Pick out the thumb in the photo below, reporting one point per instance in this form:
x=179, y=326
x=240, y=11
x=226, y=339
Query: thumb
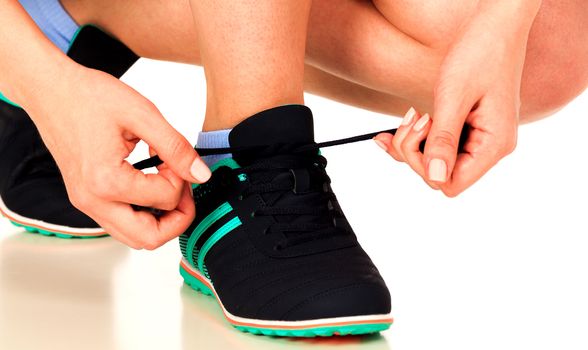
x=442, y=143
x=173, y=148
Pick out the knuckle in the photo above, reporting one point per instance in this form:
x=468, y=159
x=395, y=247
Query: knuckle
x=136, y=245
x=509, y=145
x=176, y=146
x=169, y=205
x=102, y=182
x=451, y=192
x=444, y=139
x=404, y=146
x=80, y=199
x=152, y=244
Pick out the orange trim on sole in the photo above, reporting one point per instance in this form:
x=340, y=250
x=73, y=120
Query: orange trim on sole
x=9, y=217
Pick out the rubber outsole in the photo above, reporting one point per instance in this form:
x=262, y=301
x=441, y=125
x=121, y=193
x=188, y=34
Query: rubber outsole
x=45, y=229
x=361, y=327
x=53, y=234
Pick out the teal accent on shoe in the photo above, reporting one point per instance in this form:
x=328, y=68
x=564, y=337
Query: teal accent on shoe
x=50, y=233
x=195, y=283
x=204, y=225
x=75, y=36
x=220, y=233
x=242, y=177
x=5, y=99
x=360, y=329
x=229, y=162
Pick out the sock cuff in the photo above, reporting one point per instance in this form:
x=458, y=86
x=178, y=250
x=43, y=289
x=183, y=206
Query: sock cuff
x=53, y=20
x=213, y=139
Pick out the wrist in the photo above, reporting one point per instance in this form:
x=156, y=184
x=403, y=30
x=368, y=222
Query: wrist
x=32, y=86
x=518, y=14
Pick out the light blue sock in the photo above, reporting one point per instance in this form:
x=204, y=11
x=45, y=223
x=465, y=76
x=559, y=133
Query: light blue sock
x=214, y=139
x=53, y=20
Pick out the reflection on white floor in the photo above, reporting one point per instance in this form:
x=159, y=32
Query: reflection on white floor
x=98, y=294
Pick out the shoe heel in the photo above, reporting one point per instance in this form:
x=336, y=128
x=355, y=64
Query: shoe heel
x=194, y=283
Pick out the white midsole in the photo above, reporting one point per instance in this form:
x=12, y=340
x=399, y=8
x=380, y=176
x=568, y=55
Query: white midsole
x=47, y=226
x=279, y=324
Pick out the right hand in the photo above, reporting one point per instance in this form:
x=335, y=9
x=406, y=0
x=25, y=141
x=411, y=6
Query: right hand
x=91, y=122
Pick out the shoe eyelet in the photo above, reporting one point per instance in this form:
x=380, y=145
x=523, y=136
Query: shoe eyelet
x=240, y=198
x=252, y=214
x=278, y=247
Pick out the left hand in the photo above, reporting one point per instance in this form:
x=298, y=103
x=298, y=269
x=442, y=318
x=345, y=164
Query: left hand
x=479, y=84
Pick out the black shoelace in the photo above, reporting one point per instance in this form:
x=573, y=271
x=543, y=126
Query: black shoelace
x=293, y=181
x=156, y=161
x=297, y=194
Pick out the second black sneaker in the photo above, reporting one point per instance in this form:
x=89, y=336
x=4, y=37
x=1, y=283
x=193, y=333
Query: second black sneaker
x=271, y=242
x=32, y=191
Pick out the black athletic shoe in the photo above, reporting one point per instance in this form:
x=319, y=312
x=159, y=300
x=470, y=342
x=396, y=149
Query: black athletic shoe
x=32, y=192
x=271, y=242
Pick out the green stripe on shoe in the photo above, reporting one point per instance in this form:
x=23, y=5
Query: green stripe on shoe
x=220, y=233
x=204, y=225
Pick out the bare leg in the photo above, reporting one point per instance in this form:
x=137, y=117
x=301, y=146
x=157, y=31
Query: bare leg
x=383, y=58
x=133, y=22
x=253, y=56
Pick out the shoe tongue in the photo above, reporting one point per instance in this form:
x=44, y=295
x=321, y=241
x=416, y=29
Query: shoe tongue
x=291, y=124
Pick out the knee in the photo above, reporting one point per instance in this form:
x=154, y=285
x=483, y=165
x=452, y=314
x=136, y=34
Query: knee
x=542, y=96
x=555, y=69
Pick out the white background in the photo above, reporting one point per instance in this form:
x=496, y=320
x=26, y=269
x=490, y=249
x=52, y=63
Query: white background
x=503, y=266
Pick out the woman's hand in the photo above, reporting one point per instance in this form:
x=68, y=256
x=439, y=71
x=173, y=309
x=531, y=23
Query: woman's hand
x=91, y=122
x=479, y=84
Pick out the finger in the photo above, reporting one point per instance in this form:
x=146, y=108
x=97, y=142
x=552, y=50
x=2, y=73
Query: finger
x=482, y=152
x=131, y=186
x=452, y=107
x=403, y=130
x=174, y=223
x=172, y=148
x=411, y=147
x=391, y=143
x=117, y=222
x=384, y=141
x=141, y=230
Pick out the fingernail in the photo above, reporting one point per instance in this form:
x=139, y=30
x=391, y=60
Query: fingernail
x=437, y=170
x=421, y=123
x=381, y=144
x=200, y=170
x=408, y=118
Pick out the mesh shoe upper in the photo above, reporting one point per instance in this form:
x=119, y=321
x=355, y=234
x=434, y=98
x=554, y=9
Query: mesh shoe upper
x=270, y=233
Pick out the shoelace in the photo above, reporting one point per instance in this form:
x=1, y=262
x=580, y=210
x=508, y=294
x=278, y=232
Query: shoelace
x=297, y=193
x=156, y=161
x=320, y=220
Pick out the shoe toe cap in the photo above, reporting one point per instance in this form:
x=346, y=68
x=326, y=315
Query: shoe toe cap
x=359, y=299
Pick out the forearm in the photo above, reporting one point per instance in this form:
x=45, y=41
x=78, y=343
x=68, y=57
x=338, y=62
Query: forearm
x=30, y=64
